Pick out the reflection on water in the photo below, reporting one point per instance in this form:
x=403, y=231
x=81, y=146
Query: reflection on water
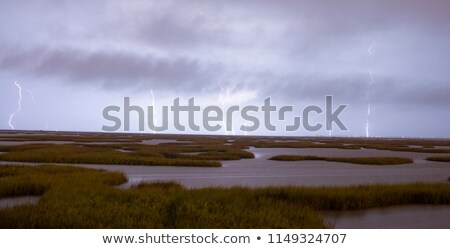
x=17, y=201
x=163, y=141
x=399, y=217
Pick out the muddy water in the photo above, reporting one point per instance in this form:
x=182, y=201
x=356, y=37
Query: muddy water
x=17, y=201
x=410, y=216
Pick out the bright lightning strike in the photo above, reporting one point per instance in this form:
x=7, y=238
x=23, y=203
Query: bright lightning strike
x=154, y=108
x=31, y=95
x=369, y=51
x=19, y=106
x=233, y=96
x=153, y=97
x=10, y=121
x=222, y=103
x=228, y=100
x=367, y=122
x=20, y=96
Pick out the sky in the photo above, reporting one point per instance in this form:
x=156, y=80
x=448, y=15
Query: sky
x=74, y=58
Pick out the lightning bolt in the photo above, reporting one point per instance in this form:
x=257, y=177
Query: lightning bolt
x=224, y=98
x=228, y=101
x=222, y=104
x=233, y=95
x=369, y=51
x=19, y=106
x=154, y=109
x=10, y=121
x=31, y=95
x=367, y=121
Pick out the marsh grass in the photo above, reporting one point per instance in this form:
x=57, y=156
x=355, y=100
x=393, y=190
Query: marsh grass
x=85, y=198
x=211, y=148
x=107, y=154
x=354, y=160
x=424, y=145
x=209, y=151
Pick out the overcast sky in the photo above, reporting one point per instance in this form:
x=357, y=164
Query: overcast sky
x=74, y=58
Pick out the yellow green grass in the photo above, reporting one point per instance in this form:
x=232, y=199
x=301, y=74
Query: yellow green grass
x=87, y=198
x=139, y=154
x=354, y=160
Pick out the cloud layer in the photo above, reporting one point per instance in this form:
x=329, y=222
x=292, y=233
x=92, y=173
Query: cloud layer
x=286, y=49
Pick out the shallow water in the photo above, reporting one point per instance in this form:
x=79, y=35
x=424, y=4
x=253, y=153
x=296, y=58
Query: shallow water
x=124, y=150
x=442, y=147
x=17, y=201
x=260, y=172
x=191, y=153
x=399, y=217
x=162, y=141
x=415, y=146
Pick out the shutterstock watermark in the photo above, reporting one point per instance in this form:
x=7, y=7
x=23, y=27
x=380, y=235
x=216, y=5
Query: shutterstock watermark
x=214, y=118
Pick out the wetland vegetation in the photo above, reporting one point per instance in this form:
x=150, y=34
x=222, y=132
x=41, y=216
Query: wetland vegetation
x=86, y=198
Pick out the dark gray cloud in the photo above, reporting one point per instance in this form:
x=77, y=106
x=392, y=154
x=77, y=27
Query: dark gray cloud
x=355, y=88
x=107, y=67
x=288, y=48
x=178, y=34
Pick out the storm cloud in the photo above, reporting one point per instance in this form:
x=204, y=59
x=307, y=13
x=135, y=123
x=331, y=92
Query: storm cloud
x=106, y=67
x=286, y=49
